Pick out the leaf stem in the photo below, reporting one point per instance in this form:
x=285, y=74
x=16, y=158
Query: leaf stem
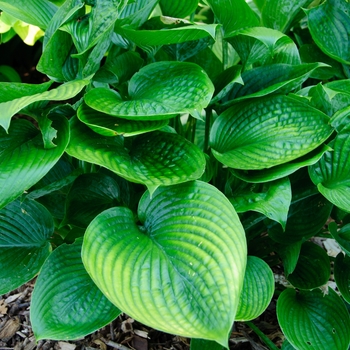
x=262, y=336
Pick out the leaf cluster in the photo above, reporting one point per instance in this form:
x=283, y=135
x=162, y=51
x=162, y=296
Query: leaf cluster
x=180, y=164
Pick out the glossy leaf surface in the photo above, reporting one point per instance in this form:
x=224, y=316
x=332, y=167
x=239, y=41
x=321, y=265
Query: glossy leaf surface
x=178, y=9
x=108, y=125
x=311, y=320
x=342, y=275
x=157, y=92
x=329, y=25
x=63, y=92
x=273, y=199
x=312, y=269
x=305, y=219
x=24, y=246
x=342, y=236
x=266, y=132
x=258, y=289
x=64, y=296
x=182, y=270
x=23, y=158
x=155, y=159
x=331, y=173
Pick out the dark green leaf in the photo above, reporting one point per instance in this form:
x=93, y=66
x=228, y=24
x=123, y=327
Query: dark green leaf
x=342, y=236
x=24, y=242
x=331, y=173
x=201, y=344
x=108, y=125
x=342, y=275
x=312, y=320
x=182, y=270
x=23, y=158
x=179, y=9
x=313, y=267
x=329, y=25
x=65, y=296
x=305, y=219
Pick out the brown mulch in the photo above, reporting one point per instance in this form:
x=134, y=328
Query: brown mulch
x=122, y=334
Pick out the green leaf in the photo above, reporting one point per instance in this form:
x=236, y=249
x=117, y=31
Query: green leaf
x=264, y=46
x=331, y=173
x=179, y=9
x=258, y=289
x=24, y=242
x=312, y=320
x=342, y=236
x=64, y=296
x=282, y=170
x=154, y=159
x=341, y=119
x=167, y=36
x=271, y=199
x=202, y=344
x=108, y=125
x=329, y=25
x=89, y=195
x=305, y=219
x=233, y=14
x=182, y=270
x=266, y=132
x=313, y=267
x=9, y=74
x=23, y=158
x=275, y=78
x=63, y=92
x=36, y=12
x=279, y=14
x=342, y=275
x=289, y=255
x=156, y=92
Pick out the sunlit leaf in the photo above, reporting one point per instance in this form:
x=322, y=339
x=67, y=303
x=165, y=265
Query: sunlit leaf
x=182, y=270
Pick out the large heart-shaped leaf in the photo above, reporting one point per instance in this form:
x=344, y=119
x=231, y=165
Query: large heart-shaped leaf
x=23, y=159
x=258, y=288
x=329, y=25
x=182, y=270
x=63, y=92
x=24, y=242
x=312, y=269
x=154, y=159
x=65, y=295
x=331, y=173
x=156, y=92
x=312, y=320
x=271, y=199
x=108, y=125
x=267, y=131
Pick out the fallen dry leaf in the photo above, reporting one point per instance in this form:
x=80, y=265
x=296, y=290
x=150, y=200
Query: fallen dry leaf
x=66, y=346
x=3, y=307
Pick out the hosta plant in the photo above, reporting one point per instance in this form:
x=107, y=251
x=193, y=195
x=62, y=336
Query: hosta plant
x=176, y=155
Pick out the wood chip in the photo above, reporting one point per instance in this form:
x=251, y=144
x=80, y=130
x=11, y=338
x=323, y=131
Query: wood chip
x=66, y=346
x=10, y=328
x=3, y=307
x=100, y=343
x=141, y=334
x=30, y=346
x=12, y=298
x=116, y=345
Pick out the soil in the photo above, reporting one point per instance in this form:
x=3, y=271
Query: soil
x=122, y=334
